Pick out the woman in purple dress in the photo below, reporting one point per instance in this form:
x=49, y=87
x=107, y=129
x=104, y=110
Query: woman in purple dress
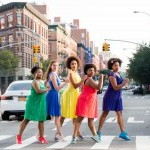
x=112, y=100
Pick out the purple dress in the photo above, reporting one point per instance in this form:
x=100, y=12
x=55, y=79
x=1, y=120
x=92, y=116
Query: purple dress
x=112, y=100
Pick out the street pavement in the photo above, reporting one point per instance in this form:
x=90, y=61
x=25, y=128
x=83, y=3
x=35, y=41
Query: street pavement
x=136, y=118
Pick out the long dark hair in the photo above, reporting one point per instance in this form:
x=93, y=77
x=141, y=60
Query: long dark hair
x=49, y=69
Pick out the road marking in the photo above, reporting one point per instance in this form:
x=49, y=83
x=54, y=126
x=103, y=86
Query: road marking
x=8, y=121
x=111, y=120
x=65, y=122
x=86, y=120
x=3, y=137
x=142, y=142
x=104, y=144
x=131, y=120
x=132, y=108
x=24, y=143
x=136, y=108
x=61, y=144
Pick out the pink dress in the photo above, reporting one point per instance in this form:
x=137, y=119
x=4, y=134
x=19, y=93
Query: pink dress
x=87, y=103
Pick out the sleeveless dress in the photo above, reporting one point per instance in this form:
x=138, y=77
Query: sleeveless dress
x=69, y=98
x=87, y=103
x=36, y=105
x=53, y=98
x=112, y=100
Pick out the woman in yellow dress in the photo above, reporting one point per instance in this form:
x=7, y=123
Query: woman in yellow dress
x=70, y=95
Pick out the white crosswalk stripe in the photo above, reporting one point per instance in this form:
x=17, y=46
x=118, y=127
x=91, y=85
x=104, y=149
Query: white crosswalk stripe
x=4, y=137
x=141, y=143
x=104, y=144
x=61, y=144
x=24, y=143
x=65, y=122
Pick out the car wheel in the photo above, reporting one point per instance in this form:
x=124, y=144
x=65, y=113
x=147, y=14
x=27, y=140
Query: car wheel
x=5, y=116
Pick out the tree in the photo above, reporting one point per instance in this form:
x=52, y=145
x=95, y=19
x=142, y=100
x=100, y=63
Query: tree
x=139, y=66
x=8, y=61
x=45, y=64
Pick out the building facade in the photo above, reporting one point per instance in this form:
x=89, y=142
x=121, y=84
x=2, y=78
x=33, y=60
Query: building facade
x=61, y=45
x=21, y=23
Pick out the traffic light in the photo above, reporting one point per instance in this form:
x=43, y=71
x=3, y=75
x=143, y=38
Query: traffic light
x=36, y=49
x=106, y=47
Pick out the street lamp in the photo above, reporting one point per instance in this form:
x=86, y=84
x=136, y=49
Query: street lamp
x=142, y=12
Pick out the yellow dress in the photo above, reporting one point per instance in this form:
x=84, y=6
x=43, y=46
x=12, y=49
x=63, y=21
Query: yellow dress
x=69, y=98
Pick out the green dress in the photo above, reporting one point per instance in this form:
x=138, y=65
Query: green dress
x=36, y=105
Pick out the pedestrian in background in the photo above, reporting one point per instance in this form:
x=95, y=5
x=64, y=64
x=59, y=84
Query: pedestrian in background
x=53, y=98
x=112, y=100
x=87, y=102
x=70, y=95
x=35, y=106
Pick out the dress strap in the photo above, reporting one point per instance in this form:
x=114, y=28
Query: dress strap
x=85, y=80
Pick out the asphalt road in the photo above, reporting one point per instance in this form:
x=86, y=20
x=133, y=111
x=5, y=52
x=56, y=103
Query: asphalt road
x=136, y=118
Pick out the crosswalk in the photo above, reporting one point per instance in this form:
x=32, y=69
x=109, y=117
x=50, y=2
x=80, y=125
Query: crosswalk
x=140, y=143
x=130, y=120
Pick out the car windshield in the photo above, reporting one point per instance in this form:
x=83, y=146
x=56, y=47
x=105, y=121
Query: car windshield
x=19, y=86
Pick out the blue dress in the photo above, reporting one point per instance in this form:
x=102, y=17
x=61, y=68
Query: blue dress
x=112, y=100
x=53, y=98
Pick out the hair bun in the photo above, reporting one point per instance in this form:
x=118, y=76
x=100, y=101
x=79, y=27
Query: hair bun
x=34, y=69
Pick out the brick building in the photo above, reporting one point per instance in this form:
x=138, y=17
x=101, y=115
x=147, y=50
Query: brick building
x=61, y=45
x=21, y=23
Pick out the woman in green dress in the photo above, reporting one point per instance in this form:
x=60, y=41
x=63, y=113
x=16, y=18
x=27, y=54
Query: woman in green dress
x=35, y=106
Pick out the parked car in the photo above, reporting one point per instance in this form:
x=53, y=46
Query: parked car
x=14, y=99
x=105, y=87
x=138, y=90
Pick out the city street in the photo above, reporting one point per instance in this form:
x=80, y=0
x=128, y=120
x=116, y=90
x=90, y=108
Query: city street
x=136, y=117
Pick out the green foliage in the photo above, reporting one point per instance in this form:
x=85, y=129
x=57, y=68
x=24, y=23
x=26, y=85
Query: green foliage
x=45, y=64
x=139, y=66
x=30, y=77
x=8, y=61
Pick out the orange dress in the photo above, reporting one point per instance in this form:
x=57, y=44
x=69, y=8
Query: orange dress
x=87, y=103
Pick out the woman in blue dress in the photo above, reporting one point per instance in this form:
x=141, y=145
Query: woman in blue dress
x=52, y=97
x=112, y=100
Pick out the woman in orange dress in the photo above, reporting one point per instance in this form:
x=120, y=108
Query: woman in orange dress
x=87, y=102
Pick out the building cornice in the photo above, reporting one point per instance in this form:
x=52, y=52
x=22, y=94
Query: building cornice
x=21, y=5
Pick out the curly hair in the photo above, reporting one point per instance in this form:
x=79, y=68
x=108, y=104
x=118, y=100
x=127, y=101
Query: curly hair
x=112, y=61
x=88, y=66
x=35, y=69
x=70, y=59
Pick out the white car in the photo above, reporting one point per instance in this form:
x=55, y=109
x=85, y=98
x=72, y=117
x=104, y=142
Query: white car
x=14, y=99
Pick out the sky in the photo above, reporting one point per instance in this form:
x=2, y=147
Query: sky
x=106, y=19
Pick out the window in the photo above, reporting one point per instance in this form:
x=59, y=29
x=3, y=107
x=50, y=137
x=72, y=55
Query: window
x=2, y=22
x=10, y=39
x=19, y=18
x=10, y=18
x=82, y=35
x=20, y=77
x=19, y=86
x=2, y=41
x=34, y=26
x=11, y=79
x=26, y=21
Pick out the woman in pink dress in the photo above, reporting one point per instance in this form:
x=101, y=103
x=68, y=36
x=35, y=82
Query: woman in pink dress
x=87, y=102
